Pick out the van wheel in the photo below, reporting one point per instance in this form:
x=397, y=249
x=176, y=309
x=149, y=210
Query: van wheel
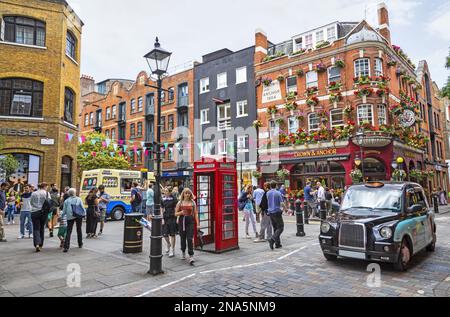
x=404, y=257
x=432, y=246
x=117, y=213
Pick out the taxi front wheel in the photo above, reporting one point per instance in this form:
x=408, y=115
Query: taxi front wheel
x=330, y=257
x=404, y=257
x=432, y=246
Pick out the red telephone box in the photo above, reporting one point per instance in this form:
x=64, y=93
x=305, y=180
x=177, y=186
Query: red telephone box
x=215, y=189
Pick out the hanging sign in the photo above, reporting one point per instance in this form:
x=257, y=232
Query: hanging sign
x=408, y=118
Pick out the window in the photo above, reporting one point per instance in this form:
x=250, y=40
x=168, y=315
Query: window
x=71, y=44
x=132, y=130
x=183, y=119
x=24, y=31
x=222, y=80
x=139, y=156
x=311, y=79
x=113, y=134
x=204, y=116
x=308, y=41
x=170, y=123
x=365, y=114
x=108, y=113
x=319, y=37
x=114, y=112
x=337, y=118
x=171, y=94
x=91, y=118
x=242, y=144
x=139, y=129
x=291, y=84
x=163, y=97
x=206, y=148
x=86, y=120
x=68, y=105
x=241, y=75
x=140, y=104
x=334, y=74
x=204, y=85
x=242, y=108
x=133, y=105
x=107, y=134
x=313, y=122
x=331, y=34
x=224, y=117
x=298, y=44
x=382, y=117
x=362, y=67
x=21, y=97
x=98, y=121
x=378, y=67
x=292, y=124
x=163, y=123
x=222, y=148
x=273, y=128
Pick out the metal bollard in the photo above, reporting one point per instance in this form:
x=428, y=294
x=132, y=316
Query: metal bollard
x=323, y=210
x=436, y=204
x=300, y=220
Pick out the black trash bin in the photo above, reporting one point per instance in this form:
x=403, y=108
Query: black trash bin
x=133, y=234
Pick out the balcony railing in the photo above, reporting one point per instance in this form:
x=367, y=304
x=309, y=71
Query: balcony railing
x=150, y=110
x=286, y=48
x=224, y=125
x=183, y=101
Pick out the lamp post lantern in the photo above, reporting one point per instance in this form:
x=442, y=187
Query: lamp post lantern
x=158, y=60
x=360, y=140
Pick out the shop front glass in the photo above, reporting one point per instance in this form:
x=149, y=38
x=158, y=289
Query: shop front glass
x=331, y=174
x=28, y=171
x=374, y=170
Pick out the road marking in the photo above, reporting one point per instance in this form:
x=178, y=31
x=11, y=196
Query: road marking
x=166, y=285
x=237, y=267
x=292, y=253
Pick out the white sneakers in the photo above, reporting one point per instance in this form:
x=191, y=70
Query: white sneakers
x=20, y=237
x=183, y=255
x=171, y=253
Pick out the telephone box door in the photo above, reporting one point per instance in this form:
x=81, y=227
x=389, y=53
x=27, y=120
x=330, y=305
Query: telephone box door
x=205, y=203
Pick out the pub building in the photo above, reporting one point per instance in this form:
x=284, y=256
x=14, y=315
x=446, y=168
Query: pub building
x=341, y=98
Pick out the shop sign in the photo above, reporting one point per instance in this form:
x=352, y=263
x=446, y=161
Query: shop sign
x=271, y=92
x=408, y=118
x=315, y=153
x=47, y=141
x=229, y=166
x=22, y=132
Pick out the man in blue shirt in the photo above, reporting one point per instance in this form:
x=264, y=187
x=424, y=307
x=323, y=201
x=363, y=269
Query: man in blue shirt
x=258, y=194
x=275, y=211
x=309, y=199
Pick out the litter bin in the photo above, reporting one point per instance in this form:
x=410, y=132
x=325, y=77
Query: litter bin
x=300, y=219
x=133, y=234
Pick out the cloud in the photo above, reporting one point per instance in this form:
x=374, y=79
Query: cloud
x=439, y=24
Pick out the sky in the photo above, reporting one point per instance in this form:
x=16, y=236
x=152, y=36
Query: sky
x=117, y=34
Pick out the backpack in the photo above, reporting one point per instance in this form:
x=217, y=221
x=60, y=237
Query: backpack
x=138, y=197
x=78, y=211
x=48, y=205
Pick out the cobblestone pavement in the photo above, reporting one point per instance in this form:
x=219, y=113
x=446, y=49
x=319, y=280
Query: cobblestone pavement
x=299, y=269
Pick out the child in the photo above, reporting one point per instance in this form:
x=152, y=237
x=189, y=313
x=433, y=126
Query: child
x=62, y=230
x=11, y=209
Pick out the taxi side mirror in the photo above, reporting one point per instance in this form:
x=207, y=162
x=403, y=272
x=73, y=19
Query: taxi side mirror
x=414, y=209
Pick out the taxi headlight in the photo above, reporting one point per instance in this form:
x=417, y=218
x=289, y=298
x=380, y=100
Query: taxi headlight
x=386, y=232
x=325, y=227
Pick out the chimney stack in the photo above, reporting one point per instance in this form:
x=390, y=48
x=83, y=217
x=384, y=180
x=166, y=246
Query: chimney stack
x=261, y=45
x=383, y=21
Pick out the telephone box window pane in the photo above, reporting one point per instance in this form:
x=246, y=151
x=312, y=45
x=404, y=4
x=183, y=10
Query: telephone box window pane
x=228, y=210
x=228, y=218
x=228, y=193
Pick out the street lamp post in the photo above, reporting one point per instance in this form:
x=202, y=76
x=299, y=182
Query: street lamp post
x=158, y=61
x=360, y=141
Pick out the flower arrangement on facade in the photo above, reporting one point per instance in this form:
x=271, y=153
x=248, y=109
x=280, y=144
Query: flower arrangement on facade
x=280, y=78
x=299, y=52
x=311, y=91
x=291, y=106
x=266, y=81
x=337, y=97
x=399, y=175
x=322, y=44
x=291, y=96
x=334, y=86
x=356, y=176
x=300, y=72
x=399, y=71
x=283, y=173
x=339, y=63
x=257, y=174
x=368, y=127
x=321, y=67
x=312, y=101
x=391, y=63
x=280, y=121
x=417, y=87
x=301, y=117
x=362, y=80
x=272, y=110
x=271, y=57
x=363, y=92
x=257, y=124
x=400, y=52
x=406, y=103
x=382, y=92
x=348, y=110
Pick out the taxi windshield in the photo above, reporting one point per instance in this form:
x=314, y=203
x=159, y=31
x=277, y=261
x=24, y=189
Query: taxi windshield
x=373, y=199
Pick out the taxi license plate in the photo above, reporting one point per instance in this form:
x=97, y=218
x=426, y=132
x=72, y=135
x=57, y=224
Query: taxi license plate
x=353, y=255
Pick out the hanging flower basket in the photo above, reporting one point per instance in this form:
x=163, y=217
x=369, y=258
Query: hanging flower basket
x=257, y=174
x=300, y=73
x=392, y=63
x=334, y=98
x=398, y=175
x=283, y=173
x=334, y=86
x=321, y=67
x=291, y=106
x=356, y=176
x=266, y=81
x=272, y=110
x=291, y=96
x=280, y=78
x=313, y=101
x=311, y=91
x=339, y=63
x=363, y=92
x=257, y=124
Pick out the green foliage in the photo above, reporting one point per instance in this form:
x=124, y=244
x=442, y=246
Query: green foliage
x=8, y=165
x=447, y=65
x=445, y=92
x=103, y=158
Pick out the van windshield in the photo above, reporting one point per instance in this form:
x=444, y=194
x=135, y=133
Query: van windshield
x=374, y=199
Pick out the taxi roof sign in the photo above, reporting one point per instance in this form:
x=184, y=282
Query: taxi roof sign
x=375, y=184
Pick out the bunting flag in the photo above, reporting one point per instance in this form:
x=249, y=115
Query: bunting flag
x=83, y=138
x=115, y=146
x=135, y=148
x=112, y=154
x=120, y=153
x=85, y=154
x=130, y=142
x=142, y=144
x=69, y=137
x=104, y=143
x=166, y=145
x=108, y=142
x=80, y=140
x=138, y=152
x=120, y=142
x=94, y=154
x=146, y=152
x=125, y=148
x=93, y=141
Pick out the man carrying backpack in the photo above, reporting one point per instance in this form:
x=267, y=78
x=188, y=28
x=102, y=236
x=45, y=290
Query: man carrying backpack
x=136, y=198
x=38, y=215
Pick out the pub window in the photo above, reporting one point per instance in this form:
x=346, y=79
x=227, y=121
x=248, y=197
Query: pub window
x=291, y=84
x=313, y=122
x=334, y=74
x=113, y=134
x=86, y=120
x=24, y=31
x=139, y=129
x=382, y=115
x=132, y=130
x=68, y=105
x=170, y=123
x=292, y=124
x=365, y=114
x=362, y=67
x=312, y=79
x=337, y=118
x=21, y=97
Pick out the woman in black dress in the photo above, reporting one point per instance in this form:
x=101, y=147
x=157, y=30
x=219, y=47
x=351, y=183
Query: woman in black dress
x=92, y=213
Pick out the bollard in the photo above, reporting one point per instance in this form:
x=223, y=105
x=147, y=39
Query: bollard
x=306, y=212
x=436, y=204
x=300, y=223
x=323, y=210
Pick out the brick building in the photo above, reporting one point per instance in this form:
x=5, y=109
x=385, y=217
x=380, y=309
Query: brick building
x=316, y=90
x=40, y=88
x=127, y=115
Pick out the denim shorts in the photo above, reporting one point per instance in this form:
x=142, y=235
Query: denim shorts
x=149, y=210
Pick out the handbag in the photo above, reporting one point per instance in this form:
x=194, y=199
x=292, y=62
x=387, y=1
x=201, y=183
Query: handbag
x=97, y=212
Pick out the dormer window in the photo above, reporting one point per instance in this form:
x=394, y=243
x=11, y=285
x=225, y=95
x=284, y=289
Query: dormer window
x=331, y=34
x=319, y=37
x=309, y=41
x=298, y=44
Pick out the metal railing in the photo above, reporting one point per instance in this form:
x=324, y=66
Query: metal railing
x=183, y=101
x=224, y=125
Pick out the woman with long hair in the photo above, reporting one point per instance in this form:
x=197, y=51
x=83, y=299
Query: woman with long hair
x=187, y=212
x=92, y=213
x=246, y=204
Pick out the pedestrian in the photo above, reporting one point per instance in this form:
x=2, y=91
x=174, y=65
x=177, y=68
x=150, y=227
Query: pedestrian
x=25, y=213
x=38, y=215
x=246, y=202
x=11, y=206
x=258, y=193
x=3, y=188
x=103, y=200
x=62, y=230
x=150, y=203
x=92, y=213
x=275, y=203
x=136, y=198
x=71, y=208
x=187, y=212
x=442, y=197
x=169, y=230
x=175, y=192
x=329, y=200
x=266, y=224
x=53, y=215
x=64, y=195
x=309, y=199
